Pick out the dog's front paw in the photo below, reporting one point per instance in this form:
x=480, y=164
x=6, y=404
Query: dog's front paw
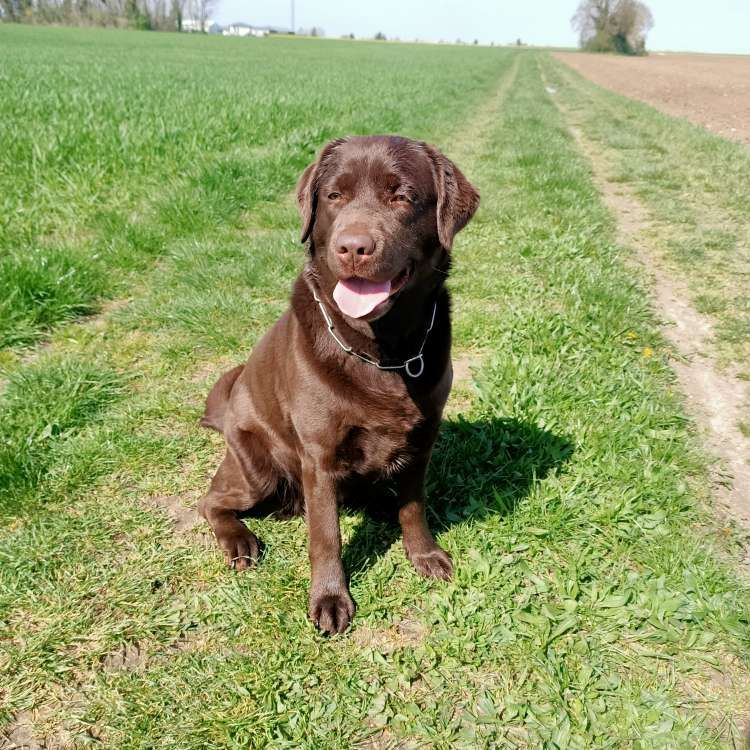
x=331, y=612
x=435, y=563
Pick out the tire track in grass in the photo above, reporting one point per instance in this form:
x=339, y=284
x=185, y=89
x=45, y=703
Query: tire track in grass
x=694, y=185
x=466, y=153
x=714, y=397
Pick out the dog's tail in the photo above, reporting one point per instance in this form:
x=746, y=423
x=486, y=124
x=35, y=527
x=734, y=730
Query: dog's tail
x=218, y=398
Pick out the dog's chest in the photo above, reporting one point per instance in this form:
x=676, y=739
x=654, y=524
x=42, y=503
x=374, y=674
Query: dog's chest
x=381, y=443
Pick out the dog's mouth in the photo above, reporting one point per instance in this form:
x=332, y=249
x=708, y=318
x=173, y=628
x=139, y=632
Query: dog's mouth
x=357, y=297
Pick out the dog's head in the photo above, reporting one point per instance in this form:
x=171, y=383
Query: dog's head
x=380, y=213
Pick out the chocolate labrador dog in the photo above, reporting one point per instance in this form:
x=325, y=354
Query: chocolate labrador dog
x=348, y=387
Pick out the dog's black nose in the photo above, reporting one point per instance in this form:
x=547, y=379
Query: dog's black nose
x=356, y=244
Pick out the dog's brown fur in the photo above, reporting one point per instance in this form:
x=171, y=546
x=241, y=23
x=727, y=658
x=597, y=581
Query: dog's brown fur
x=303, y=417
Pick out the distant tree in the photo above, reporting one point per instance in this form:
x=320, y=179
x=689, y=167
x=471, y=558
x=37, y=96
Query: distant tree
x=613, y=26
x=178, y=13
x=476, y=41
x=137, y=15
x=200, y=10
x=10, y=10
x=380, y=36
x=519, y=42
x=633, y=21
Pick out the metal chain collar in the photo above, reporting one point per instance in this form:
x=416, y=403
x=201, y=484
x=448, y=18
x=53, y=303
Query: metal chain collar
x=407, y=365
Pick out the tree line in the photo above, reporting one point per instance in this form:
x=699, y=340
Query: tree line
x=163, y=15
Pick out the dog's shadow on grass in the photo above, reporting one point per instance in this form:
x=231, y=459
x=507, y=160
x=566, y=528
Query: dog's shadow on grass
x=479, y=467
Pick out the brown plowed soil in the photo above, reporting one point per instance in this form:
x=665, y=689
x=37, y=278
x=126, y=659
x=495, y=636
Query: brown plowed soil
x=709, y=90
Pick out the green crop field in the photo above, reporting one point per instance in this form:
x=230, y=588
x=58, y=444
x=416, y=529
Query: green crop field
x=148, y=236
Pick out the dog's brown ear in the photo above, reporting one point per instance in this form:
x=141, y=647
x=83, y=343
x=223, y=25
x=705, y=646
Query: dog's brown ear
x=457, y=198
x=306, y=200
x=307, y=188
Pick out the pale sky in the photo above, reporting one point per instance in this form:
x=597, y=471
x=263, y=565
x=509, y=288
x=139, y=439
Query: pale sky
x=694, y=25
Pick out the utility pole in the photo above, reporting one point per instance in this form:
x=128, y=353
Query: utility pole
x=292, y=29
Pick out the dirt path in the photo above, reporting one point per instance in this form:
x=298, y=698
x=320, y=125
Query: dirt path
x=713, y=396
x=709, y=90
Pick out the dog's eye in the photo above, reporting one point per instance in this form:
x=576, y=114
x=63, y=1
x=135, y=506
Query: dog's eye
x=334, y=196
x=400, y=198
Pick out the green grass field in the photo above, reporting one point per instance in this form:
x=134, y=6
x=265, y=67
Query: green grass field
x=147, y=238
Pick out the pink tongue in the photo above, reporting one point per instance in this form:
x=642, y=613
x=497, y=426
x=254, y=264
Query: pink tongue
x=357, y=297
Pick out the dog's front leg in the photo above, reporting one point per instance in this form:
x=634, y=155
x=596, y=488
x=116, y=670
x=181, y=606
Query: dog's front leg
x=426, y=555
x=331, y=606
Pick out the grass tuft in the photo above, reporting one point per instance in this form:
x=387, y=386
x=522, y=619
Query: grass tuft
x=42, y=406
x=41, y=287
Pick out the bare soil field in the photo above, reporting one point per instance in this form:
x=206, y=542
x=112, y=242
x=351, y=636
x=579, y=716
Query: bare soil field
x=709, y=90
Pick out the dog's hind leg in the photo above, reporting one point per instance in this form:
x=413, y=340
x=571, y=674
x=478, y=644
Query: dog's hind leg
x=218, y=398
x=244, y=479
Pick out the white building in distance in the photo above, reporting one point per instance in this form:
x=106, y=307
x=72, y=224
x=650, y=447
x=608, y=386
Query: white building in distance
x=196, y=25
x=244, y=29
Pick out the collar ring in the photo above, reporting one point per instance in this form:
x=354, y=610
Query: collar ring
x=408, y=365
